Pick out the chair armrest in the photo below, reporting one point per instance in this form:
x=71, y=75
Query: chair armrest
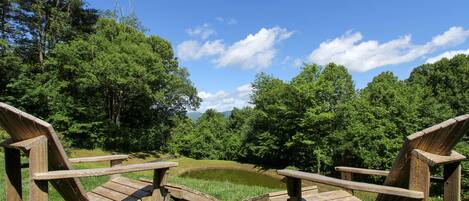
x=376, y=172
x=24, y=144
x=362, y=171
x=98, y=158
x=435, y=159
x=352, y=184
x=63, y=174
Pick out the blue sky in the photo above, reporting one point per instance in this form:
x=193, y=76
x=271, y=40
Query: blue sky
x=224, y=44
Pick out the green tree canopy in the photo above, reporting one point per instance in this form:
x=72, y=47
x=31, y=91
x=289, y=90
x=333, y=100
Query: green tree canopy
x=119, y=79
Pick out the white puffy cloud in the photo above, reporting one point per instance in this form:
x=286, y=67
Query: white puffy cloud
x=357, y=55
x=256, y=51
x=203, y=31
x=192, y=49
x=244, y=90
x=448, y=55
x=224, y=101
x=454, y=36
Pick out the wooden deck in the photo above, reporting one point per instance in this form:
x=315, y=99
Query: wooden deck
x=309, y=193
x=122, y=188
x=179, y=192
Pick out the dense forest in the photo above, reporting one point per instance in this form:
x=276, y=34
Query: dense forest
x=96, y=77
x=103, y=82
x=318, y=120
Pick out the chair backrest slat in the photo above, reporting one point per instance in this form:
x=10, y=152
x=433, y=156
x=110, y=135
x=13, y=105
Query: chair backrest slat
x=22, y=126
x=438, y=139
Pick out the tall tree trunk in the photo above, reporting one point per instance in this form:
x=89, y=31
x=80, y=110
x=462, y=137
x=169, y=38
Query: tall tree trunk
x=41, y=38
x=114, y=106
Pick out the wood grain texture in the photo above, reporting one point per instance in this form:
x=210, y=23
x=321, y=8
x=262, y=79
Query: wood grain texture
x=134, y=183
x=25, y=144
x=37, y=155
x=383, y=173
x=98, y=158
x=352, y=185
x=337, y=195
x=311, y=195
x=63, y=174
x=435, y=159
x=22, y=126
x=362, y=171
x=134, y=192
x=439, y=139
x=452, y=186
x=306, y=192
x=113, y=195
x=183, y=193
x=13, y=175
x=160, y=193
x=116, y=163
x=419, y=177
x=95, y=197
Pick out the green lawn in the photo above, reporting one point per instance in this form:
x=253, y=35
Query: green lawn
x=221, y=190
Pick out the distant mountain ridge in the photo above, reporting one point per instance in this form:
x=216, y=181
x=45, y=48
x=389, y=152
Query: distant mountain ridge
x=196, y=115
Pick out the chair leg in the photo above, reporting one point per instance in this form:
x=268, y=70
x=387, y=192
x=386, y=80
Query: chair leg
x=38, y=157
x=13, y=175
x=452, y=186
x=419, y=178
x=160, y=193
x=294, y=189
x=349, y=177
x=115, y=163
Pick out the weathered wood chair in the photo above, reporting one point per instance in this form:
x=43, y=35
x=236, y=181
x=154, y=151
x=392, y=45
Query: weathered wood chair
x=409, y=177
x=49, y=163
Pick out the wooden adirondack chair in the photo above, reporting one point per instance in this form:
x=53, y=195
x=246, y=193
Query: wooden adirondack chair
x=409, y=177
x=49, y=163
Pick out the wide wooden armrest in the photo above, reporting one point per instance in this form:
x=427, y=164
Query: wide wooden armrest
x=99, y=158
x=63, y=174
x=375, y=172
x=362, y=171
x=353, y=185
x=435, y=159
x=25, y=144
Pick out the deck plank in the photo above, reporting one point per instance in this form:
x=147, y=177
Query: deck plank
x=126, y=189
x=336, y=195
x=95, y=197
x=134, y=184
x=113, y=195
x=183, y=193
